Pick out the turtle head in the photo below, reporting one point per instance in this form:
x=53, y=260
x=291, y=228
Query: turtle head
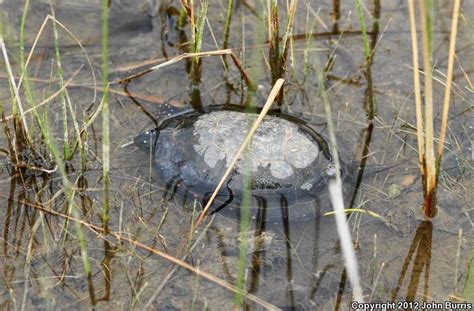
x=146, y=140
x=167, y=112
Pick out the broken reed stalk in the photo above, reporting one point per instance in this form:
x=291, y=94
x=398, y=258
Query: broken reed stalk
x=430, y=167
x=273, y=94
x=449, y=79
x=416, y=84
x=429, y=164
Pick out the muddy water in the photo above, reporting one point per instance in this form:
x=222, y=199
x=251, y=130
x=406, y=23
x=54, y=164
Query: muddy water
x=295, y=265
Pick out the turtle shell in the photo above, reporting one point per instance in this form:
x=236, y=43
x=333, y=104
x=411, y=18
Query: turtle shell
x=285, y=167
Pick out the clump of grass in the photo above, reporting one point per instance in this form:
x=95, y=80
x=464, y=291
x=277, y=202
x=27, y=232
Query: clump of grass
x=196, y=22
x=278, y=54
x=35, y=136
x=429, y=163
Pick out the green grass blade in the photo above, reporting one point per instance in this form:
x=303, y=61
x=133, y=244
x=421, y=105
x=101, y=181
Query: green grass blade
x=61, y=84
x=243, y=245
x=363, y=29
x=227, y=24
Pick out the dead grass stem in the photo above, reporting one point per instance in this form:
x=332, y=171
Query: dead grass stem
x=429, y=164
x=449, y=78
x=416, y=85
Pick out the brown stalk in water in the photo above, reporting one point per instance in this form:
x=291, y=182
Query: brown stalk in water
x=449, y=79
x=416, y=85
x=429, y=164
x=430, y=168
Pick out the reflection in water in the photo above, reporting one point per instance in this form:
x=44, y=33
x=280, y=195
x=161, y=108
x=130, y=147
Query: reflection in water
x=106, y=269
x=27, y=231
x=421, y=244
x=336, y=15
x=340, y=291
x=369, y=102
x=317, y=277
x=286, y=231
x=258, y=257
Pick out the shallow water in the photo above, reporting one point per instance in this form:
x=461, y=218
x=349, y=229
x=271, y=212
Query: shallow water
x=296, y=265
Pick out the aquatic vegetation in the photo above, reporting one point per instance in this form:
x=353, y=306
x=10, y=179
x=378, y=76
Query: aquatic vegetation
x=87, y=220
x=429, y=163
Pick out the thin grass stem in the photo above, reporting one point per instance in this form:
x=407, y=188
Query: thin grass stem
x=22, y=60
x=337, y=200
x=48, y=99
x=449, y=79
x=105, y=116
x=11, y=78
x=363, y=29
x=62, y=96
x=417, y=88
x=243, y=245
x=288, y=29
x=227, y=24
x=33, y=47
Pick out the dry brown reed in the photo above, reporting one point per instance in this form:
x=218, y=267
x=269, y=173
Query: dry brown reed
x=429, y=163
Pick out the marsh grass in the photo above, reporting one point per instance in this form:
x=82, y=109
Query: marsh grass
x=277, y=55
x=197, y=22
x=429, y=163
x=59, y=73
x=37, y=120
x=225, y=42
x=363, y=29
x=34, y=133
x=245, y=205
